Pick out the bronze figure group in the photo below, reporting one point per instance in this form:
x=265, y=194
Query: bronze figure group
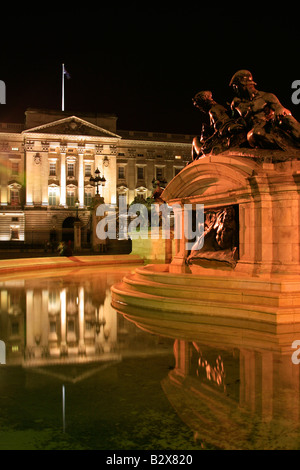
x=255, y=119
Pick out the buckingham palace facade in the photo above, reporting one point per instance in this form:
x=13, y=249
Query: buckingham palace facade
x=48, y=161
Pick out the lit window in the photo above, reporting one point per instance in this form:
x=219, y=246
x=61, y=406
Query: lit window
x=14, y=232
x=71, y=170
x=14, y=197
x=88, y=198
x=52, y=196
x=87, y=169
x=52, y=169
x=70, y=197
x=141, y=195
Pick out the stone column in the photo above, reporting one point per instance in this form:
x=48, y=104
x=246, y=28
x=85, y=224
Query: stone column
x=80, y=181
x=62, y=179
x=44, y=177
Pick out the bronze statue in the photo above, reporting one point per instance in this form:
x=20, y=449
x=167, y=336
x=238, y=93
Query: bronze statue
x=218, y=241
x=223, y=131
x=255, y=119
x=269, y=124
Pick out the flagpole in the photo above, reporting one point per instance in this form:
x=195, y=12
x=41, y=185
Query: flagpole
x=63, y=88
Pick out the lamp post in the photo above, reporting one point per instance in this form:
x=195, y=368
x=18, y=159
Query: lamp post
x=77, y=229
x=97, y=180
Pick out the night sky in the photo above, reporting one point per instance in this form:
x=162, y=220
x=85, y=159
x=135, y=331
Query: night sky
x=145, y=64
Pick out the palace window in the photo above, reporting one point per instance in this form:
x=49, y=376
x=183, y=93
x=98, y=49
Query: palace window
x=14, y=232
x=52, y=169
x=140, y=172
x=159, y=173
x=141, y=192
x=14, y=168
x=52, y=196
x=121, y=172
x=70, y=197
x=70, y=170
x=15, y=328
x=14, y=197
x=88, y=196
x=87, y=169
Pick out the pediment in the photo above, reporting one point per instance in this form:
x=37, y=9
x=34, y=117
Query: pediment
x=72, y=125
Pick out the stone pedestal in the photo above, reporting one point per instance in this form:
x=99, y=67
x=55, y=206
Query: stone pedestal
x=267, y=196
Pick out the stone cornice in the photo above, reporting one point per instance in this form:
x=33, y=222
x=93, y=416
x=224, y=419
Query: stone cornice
x=70, y=137
x=151, y=143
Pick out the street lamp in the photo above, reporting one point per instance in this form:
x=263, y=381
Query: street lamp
x=97, y=180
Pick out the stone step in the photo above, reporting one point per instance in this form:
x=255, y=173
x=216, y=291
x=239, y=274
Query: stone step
x=273, y=284
x=124, y=296
x=216, y=293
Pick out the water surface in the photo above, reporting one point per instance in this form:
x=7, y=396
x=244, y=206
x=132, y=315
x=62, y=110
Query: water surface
x=78, y=375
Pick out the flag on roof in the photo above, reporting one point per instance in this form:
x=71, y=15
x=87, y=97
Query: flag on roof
x=66, y=73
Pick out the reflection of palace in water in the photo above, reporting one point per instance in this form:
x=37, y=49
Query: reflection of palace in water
x=44, y=321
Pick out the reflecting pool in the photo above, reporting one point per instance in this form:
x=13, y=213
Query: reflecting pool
x=78, y=375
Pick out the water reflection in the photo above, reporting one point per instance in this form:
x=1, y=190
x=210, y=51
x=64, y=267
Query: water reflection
x=62, y=318
x=236, y=388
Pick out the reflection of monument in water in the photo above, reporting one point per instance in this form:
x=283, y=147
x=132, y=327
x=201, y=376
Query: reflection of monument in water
x=234, y=383
x=233, y=300
x=237, y=397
